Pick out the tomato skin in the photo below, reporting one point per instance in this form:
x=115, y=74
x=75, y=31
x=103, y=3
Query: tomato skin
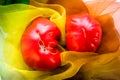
x=38, y=45
x=83, y=33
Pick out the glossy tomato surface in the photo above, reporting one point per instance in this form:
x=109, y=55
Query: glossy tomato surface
x=83, y=33
x=39, y=45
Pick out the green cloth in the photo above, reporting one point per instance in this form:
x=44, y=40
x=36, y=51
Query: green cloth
x=6, y=2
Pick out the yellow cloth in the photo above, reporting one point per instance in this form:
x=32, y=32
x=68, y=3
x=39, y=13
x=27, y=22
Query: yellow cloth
x=16, y=17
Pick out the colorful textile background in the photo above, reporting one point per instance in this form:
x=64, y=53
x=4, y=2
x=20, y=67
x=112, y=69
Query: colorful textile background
x=104, y=64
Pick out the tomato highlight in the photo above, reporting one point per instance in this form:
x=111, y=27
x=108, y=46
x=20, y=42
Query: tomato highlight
x=39, y=42
x=83, y=33
x=39, y=45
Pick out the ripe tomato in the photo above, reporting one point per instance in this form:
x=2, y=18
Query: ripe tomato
x=83, y=33
x=39, y=45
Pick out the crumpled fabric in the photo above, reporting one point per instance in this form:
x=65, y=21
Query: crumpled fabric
x=13, y=21
x=15, y=18
x=106, y=66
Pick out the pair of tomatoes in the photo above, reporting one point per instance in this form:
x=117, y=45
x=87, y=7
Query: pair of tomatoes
x=40, y=40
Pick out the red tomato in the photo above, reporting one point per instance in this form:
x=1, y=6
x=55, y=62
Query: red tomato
x=39, y=45
x=83, y=33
